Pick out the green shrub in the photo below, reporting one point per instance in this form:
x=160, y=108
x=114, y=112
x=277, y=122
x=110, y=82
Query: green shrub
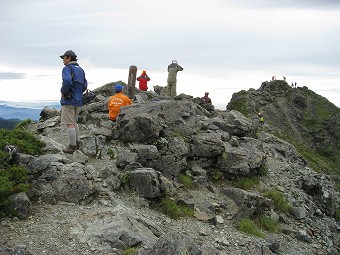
x=24, y=140
x=130, y=251
x=126, y=177
x=161, y=142
x=241, y=106
x=337, y=185
x=4, y=158
x=266, y=223
x=248, y=226
x=111, y=153
x=263, y=170
x=279, y=201
x=337, y=215
x=186, y=180
x=170, y=208
x=216, y=175
x=246, y=182
x=12, y=180
x=23, y=123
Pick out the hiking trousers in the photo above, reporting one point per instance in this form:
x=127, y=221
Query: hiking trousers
x=171, y=89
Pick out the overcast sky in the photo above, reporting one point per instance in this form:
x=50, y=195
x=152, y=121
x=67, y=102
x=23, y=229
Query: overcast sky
x=224, y=46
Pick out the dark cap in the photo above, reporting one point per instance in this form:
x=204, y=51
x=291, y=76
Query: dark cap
x=69, y=53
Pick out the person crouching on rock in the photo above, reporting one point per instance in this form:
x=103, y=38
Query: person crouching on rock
x=206, y=102
x=117, y=101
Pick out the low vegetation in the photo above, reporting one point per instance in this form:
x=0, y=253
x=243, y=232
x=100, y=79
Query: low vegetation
x=254, y=225
x=250, y=182
x=279, y=200
x=266, y=223
x=216, y=176
x=186, y=181
x=14, y=178
x=337, y=215
x=131, y=251
x=263, y=170
x=111, y=152
x=249, y=227
x=247, y=182
x=241, y=106
x=169, y=207
x=126, y=177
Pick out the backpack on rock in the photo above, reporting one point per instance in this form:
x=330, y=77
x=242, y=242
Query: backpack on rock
x=88, y=96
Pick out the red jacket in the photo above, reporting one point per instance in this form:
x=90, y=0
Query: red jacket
x=143, y=81
x=206, y=99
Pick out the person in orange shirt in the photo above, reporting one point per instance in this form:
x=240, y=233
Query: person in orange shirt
x=117, y=101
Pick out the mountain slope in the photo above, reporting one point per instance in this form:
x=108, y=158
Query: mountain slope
x=8, y=124
x=300, y=116
x=108, y=197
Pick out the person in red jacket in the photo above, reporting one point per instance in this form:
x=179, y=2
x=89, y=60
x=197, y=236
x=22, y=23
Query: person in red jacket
x=143, y=81
x=206, y=99
x=117, y=101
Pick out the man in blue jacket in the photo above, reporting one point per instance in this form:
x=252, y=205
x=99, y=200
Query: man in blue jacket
x=74, y=84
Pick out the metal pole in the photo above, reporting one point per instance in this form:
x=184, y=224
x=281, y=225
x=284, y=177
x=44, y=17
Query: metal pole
x=132, y=82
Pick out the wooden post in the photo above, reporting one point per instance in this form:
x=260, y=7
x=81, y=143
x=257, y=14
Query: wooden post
x=132, y=82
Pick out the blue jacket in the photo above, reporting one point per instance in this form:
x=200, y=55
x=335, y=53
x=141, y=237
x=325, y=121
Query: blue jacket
x=76, y=84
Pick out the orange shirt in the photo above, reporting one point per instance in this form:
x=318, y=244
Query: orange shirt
x=114, y=104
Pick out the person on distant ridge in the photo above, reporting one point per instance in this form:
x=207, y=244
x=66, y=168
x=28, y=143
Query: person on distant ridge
x=261, y=119
x=206, y=102
x=116, y=102
x=173, y=68
x=74, y=85
x=143, y=81
x=206, y=99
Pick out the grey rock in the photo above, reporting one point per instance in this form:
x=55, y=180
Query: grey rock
x=125, y=157
x=248, y=203
x=298, y=212
x=20, y=205
x=121, y=230
x=146, y=182
x=178, y=244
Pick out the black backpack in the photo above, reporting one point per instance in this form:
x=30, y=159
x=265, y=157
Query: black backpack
x=88, y=95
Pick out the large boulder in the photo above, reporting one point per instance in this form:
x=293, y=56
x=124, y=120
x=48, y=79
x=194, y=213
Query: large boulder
x=175, y=243
x=233, y=122
x=120, y=230
x=20, y=205
x=146, y=123
x=147, y=182
x=239, y=161
x=249, y=203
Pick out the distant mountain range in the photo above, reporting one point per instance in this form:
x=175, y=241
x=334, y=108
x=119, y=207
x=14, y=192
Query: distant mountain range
x=24, y=110
x=8, y=124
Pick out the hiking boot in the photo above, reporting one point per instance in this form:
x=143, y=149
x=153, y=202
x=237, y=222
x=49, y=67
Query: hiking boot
x=70, y=149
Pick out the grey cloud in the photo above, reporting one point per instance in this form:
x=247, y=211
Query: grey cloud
x=309, y=4
x=11, y=76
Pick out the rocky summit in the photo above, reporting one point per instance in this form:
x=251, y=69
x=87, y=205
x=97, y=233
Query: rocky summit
x=248, y=187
